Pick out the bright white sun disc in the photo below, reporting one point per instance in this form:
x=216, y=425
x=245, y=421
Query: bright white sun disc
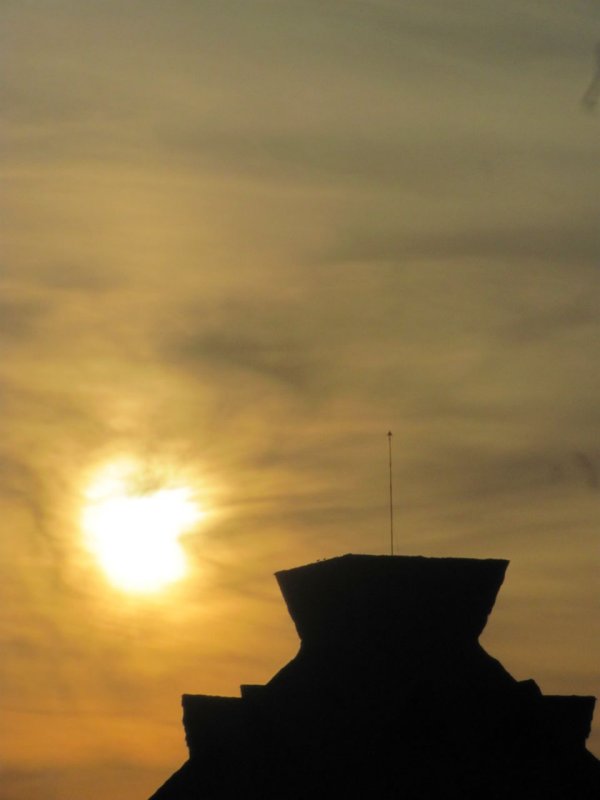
x=135, y=536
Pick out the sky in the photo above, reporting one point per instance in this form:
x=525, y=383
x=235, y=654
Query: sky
x=242, y=240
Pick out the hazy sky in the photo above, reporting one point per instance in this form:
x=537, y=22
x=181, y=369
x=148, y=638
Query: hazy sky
x=242, y=239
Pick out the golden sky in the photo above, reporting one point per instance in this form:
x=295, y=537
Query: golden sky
x=242, y=239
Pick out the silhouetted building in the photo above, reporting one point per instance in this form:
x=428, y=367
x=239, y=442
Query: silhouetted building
x=390, y=696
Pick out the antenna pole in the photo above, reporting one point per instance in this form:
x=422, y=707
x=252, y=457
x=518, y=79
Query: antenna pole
x=391, y=495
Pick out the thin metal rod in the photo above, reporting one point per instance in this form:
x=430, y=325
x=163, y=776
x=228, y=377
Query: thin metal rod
x=391, y=495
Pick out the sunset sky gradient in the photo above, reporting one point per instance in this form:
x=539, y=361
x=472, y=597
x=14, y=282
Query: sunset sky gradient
x=243, y=239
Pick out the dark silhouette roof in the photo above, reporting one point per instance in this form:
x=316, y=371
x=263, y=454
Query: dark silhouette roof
x=390, y=696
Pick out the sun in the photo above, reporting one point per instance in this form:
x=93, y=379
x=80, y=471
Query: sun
x=133, y=525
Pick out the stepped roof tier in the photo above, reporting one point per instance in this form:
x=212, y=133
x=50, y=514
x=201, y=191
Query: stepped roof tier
x=390, y=696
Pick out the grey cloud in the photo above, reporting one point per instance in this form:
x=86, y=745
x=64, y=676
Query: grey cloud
x=21, y=483
x=119, y=779
x=571, y=241
x=30, y=312
x=17, y=478
x=589, y=468
x=572, y=316
x=304, y=40
x=485, y=32
x=273, y=340
x=592, y=93
x=520, y=474
x=19, y=317
x=280, y=361
x=347, y=158
x=90, y=277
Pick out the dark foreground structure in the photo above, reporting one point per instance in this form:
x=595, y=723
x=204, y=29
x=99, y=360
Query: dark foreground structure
x=390, y=696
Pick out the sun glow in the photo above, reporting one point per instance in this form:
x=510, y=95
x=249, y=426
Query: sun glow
x=133, y=529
